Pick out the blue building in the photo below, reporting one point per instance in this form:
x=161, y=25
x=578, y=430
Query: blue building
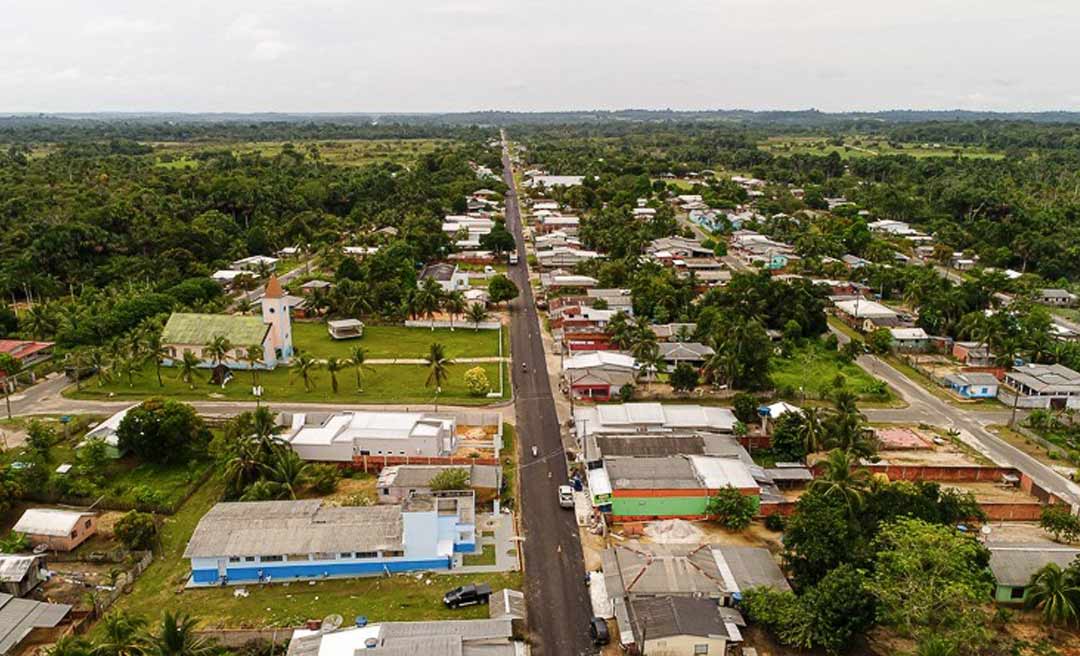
x=267, y=541
x=973, y=385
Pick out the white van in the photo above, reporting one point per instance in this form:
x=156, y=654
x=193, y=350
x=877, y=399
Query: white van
x=513, y=258
x=566, y=496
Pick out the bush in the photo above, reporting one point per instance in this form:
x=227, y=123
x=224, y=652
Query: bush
x=323, y=478
x=831, y=342
x=774, y=522
x=684, y=378
x=163, y=432
x=476, y=381
x=136, y=530
x=15, y=543
x=626, y=393
x=732, y=509
x=745, y=407
x=147, y=496
x=456, y=478
x=1059, y=522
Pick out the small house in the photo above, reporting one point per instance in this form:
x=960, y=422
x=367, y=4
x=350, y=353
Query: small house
x=1013, y=565
x=679, y=626
x=28, y=353
x=973, y=354
x=56, y=528
x=910, y=340
x=345, y=328
x=255, y=263
x=108, y=432
x=449, y=278
x=973, y=385
x=693, y=353
x=398, y=482
x=27, y=622
x=312, y=286
x=21, y=574
x=1057, y=297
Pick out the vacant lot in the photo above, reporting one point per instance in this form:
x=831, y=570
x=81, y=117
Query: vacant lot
x=815, y=370
x=387, y=383
x=396, y=341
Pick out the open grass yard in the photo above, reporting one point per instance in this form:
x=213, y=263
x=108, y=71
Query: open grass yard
x=869, y=147
x=402, y=597
x=346, y=152
x=815, y=369
x=485, y=557
x=396, y=341
x=386, y=383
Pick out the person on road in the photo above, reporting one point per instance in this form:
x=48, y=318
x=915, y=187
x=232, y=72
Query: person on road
x=523, y=367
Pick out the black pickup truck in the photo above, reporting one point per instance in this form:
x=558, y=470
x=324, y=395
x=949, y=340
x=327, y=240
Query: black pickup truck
x=467, y=595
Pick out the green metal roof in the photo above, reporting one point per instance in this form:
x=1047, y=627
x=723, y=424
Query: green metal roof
x=190, y=328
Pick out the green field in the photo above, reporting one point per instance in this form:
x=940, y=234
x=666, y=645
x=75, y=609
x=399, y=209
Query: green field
x=398, y=383
x=814, y=369
x=346, y=152
x=396, y=341
x=402, y=597
x=868, y=147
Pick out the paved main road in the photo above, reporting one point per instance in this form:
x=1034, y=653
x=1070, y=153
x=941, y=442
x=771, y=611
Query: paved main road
x=924, y=406
x=558, y=602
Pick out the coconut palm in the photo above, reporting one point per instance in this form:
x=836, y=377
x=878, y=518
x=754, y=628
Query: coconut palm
x=842, y=476
x=620, y=330
x=129, y=368
x=358, y=360
x=122, y=635
x=76, y=359
x=649, y=360
x=177, y=637
x=428, y=299
x=438, y=365
x=39, y=321
x=70, y=646
x=154, y=348
x=241, y=465
x=333, y=366
x=287, y=474
x=477, y=314
x=253, y=356
x=454, y=304
x=305, y=367
x=218, y=348
x=811, y=430
x=1056, y=592
x=189, y=364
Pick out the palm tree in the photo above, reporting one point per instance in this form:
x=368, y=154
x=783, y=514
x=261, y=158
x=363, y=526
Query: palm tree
x=189, y=364
x=358, y=360
x=1056, y=592
x=39, y=321
x=811, y=430
x=244, y=305
x=438, y=366
x=649, y=360
x=218, y=348
x=287, y=474
x=155, y=349
x=305, y=367
x=477, y=314
x=264, y=430
x=253, y=355
x=70, y=646
x=620, y=331
x=842, y=476
x=76, y=358
x=129, y=368
x=177, y=637
x=428, y=299
x=240, y=465
x=122, y=636
x=454, y=304
x=334, y=365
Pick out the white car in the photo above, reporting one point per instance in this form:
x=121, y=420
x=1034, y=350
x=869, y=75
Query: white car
x=566, y=496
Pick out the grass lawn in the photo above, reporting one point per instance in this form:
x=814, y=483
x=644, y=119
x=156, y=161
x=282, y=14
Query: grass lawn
x=814, y=368
x=402, y=597
x=396, y=341
x=485, y=557
x=399, y=383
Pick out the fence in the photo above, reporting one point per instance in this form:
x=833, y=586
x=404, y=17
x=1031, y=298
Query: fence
x=237, y=638
x=375, y=464
x=463, y=325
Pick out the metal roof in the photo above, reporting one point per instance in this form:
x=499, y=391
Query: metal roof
x=18, y=617
x=485, y=476
x=53, y=522
x=293, y=527
x=1015, y=564
x=491, y=637
x=191, y=328
x=711, y=570
x=664, y=445
x=664, y=617
x=13, y=569
x=1046, y=378
x=667, y=473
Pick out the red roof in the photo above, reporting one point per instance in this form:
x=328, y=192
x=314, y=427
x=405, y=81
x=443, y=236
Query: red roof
x=21, y=349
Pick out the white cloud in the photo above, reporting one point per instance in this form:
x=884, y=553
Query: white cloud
x=270, y=50
x=121, y=25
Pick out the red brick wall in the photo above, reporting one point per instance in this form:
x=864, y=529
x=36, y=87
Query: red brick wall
x=375, y=464
x=955, y=474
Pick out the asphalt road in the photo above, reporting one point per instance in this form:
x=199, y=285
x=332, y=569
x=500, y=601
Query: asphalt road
x=558, y=602
x=925, y=407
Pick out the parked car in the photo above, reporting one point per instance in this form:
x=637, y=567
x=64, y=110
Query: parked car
x=513, y=258
x=598, y=631
x=467, y=595
x=566, y=496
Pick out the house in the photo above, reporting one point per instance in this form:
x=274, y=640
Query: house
x=343, y=436
x=561, y=256
x=191, y=332
x=673, y=332
x=973, y=385
x=401, y=481
x=910, y=340
x=29, y=621
x=854, y=261
x=566, y=281
x=255, y=263
x=865, y=315
x=652, y=418
x=643, y=212
x=1013, y=565
x=539, y=181
x=891, y=227
x=288, y=251
x=467, y=231
x=973, y=354
x=28, y=353
x=56, y=528
x=21, y=574
x=598, y=375
x=312, y=286
x=482, y=637
x=265, y=541
x=1052, y=386
x=556, y=239
x=615, y=299
x=693, y=353
x=1057, y=297
x=360, y=252
x=448, y=277
x=673, y=486
x=545, y=206
x=230, y=276
x=677, y=247
x=679, y=626
x=106, y=431
x=551, y=223
x=345, y=328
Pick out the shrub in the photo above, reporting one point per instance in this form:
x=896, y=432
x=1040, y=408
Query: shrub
x=732, y=509
x=774, y=522
x=323, y=478
x=136, y=530
x=163, y=432
x=476, y=381
x=15, y=543
x=745, y=407
x=626, y=393
x=456, y=478
x=1059, y=522
x=147, y=496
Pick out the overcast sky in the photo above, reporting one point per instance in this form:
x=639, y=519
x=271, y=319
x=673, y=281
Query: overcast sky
x=456, y=55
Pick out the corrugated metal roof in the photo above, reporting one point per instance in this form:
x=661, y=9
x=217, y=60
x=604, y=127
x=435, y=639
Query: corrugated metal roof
x=13, y=569
x=667, y=473
x=192, y=328
x=54, y=522
x=20, y=616
x=1015, y=564
x=663, y=617
x=293, y=527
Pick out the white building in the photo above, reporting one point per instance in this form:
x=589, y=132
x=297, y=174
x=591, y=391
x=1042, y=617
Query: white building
x=339, y=437
x=254, y=262
x=651, y=418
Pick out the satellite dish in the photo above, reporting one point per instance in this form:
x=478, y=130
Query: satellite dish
x=986, y=530
x=331, y=623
